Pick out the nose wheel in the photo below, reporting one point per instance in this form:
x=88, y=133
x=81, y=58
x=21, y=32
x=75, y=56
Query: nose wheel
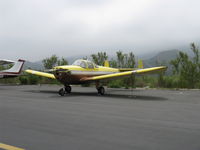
x=101, y=90
x=68, y=89
x=61, y=92
x=65, y=90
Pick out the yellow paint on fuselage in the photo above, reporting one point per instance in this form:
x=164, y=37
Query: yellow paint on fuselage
x=96, y=69
x=72, y=74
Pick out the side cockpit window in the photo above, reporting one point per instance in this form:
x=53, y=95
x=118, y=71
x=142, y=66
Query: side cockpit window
x=80, y=63
x=83, y=64
x=77, y=63
x=90, y=65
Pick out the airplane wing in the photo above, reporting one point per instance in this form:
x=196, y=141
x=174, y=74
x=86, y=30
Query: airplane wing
x=43, y=74
x=126, y=73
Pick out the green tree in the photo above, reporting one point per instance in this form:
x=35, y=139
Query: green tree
x=62, y=62
x=125, y=60
x=113, y=63
x=99, y=58
x=50, y=62
x=188, y=69
x=131, y=60
x=120, y=59
x=53, y=61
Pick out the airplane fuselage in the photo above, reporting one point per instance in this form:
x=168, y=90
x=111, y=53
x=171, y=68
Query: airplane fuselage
x=73, y=74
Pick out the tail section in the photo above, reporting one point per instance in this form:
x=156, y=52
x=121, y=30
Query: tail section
x=140, y=64
x=17, y=68
x=106, y=63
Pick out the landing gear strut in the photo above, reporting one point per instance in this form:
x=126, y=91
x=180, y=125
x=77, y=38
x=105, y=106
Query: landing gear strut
x=63, y=91
x=101, y=90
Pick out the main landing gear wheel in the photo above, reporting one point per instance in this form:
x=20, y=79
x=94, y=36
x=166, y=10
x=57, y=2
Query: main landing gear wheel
x=68, y=89
x=101, y=90
x=63, y=91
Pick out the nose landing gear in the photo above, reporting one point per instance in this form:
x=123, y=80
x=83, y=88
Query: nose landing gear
x=61, y=92
x=65, y=90
x=101, y=90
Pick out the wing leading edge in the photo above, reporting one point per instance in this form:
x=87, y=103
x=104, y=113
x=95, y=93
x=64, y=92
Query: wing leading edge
x=126, y=73
x=43, y=74
x=108, y=76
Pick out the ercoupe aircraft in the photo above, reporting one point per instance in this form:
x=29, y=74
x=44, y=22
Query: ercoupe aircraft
x=14, y=71
x=85, y=71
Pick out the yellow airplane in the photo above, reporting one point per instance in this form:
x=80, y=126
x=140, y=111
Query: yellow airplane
x=85, y=71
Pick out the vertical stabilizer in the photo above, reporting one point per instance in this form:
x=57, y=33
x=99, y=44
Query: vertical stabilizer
x=106, y=63
x=140, y=64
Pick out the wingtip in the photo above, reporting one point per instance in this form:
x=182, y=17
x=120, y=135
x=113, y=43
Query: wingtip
x=21, y=60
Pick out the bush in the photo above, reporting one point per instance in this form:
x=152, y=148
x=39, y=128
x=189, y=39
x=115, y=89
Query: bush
x=115, y=83
x=33, y=79
x=85, y=85
x=23, y=80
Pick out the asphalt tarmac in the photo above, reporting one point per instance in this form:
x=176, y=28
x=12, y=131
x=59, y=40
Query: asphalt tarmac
x=37, y=118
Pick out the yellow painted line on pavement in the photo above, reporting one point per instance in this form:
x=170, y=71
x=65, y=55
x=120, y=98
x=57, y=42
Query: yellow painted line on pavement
x=9, y=147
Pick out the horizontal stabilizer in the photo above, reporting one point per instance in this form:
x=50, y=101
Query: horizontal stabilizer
x=6, y=62
x=16, y=68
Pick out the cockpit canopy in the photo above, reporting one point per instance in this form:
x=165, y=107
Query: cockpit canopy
x=85, y=64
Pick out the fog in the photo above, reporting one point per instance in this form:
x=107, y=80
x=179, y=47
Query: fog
x=35, y=29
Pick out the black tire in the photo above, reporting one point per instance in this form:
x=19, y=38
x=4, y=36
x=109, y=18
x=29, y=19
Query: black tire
x=101, y=90
x=68, y=89
x=61, y=92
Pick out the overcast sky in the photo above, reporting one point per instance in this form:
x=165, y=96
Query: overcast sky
x=35, y=29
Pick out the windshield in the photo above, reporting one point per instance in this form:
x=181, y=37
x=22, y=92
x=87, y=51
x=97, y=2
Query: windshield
x=77, y=63
x=80, y=63
x=85, y=64
x=90, y=65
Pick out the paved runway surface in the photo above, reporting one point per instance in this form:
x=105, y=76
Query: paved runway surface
x=37, y=118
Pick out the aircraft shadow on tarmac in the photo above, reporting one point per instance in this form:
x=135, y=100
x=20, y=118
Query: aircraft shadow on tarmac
x=130, y=96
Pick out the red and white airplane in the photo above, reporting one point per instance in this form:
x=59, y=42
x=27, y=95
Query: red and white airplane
x=14, y=71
